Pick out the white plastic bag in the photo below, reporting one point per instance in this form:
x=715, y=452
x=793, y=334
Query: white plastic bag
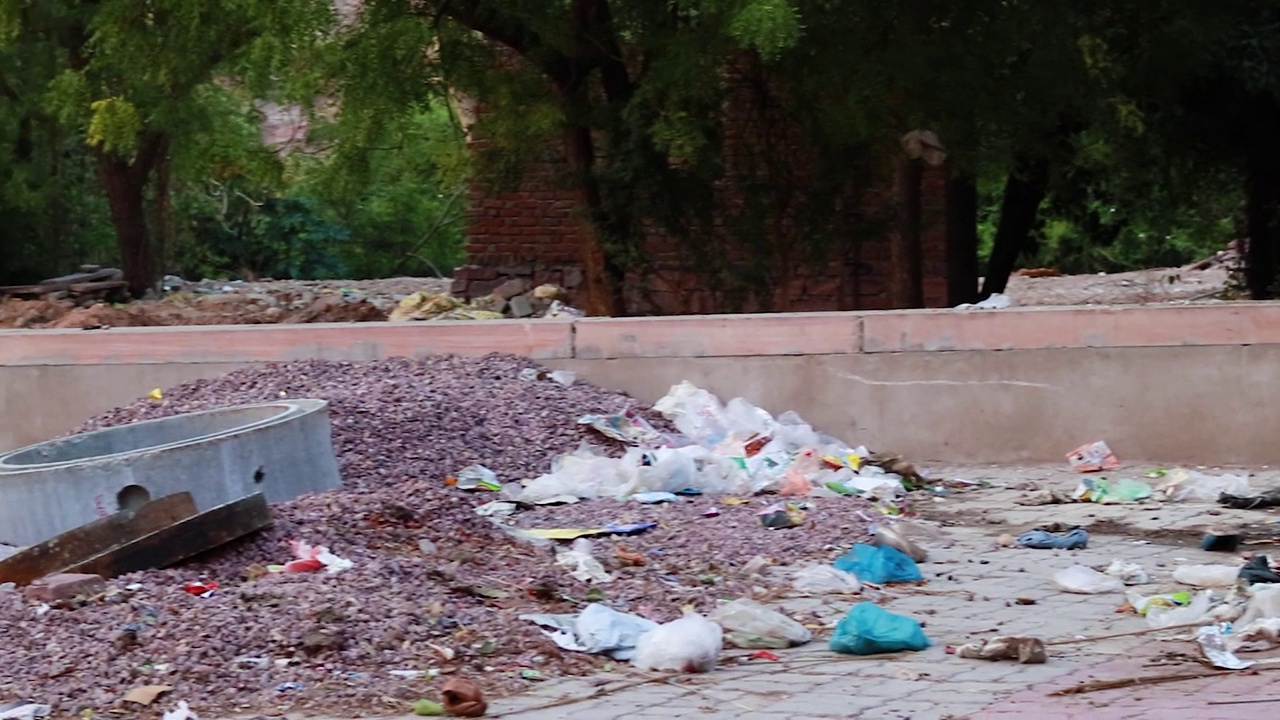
x=582, y=564
x=795, y=433
x=1129, y=573
x=1086, y=581
x=183, y=712
x=695, y=413
x=1258, y=635
x=690, y=644
x=752, y=625
x=584, y=473
x=1264, y=604
x=597, y=629
x=28, y=711
x=744, y=420
x=824, y=579
x=1192, y=486
x=1205, y=576
x=1201, y=604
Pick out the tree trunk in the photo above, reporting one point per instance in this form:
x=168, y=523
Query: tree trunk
x=1024, y=190
x=125, y=185
x=602, y=278
x=962, y=239
x=1262, y=208
x=906, y=289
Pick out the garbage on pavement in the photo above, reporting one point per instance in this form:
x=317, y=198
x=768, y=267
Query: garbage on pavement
x=823, y=580
x=1206, y=576
x=868, y=629
x=690, y=644
x=1258, y=570
x=748, y=624
x=1266, y=499
x=1026, y=650
x=879, y=565
x=308, y=558
x=1214, y=648
x=1055, y=537
x=1086, y=581
x=462, y=698
x=1191, y=486
x=886, y=535
x=1129, y=573
x=598, y=629
x=1101, y=490
x=181, y=712
x=1094, y=457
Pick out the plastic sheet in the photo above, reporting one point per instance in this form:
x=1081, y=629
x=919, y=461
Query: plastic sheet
x=879, y=565
x=752, y=625
x=868, y=629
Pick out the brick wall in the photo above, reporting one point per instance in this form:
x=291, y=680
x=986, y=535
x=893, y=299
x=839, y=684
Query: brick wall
x=535, y=231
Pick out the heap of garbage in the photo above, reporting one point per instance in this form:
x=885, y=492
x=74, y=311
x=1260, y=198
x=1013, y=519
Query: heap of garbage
x=475, y=491
x=513, y=299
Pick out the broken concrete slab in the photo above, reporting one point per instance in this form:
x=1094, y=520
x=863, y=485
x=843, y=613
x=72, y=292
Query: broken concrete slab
x=182, y=540
x=64, y=586
x=72, y=547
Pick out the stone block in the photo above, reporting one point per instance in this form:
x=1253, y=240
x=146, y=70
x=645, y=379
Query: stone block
x=511, y=288
x=64, y=586
x=521, y=306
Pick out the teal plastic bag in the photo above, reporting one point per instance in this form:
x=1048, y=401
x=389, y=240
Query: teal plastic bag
x=879, y=565
x=869, y=629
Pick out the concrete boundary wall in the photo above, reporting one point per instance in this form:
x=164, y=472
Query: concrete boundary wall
x=1193, y=384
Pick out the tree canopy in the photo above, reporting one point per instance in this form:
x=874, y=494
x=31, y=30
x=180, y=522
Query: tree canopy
x=1078, y=134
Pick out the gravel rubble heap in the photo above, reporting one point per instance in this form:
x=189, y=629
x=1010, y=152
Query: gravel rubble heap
x=434, y=587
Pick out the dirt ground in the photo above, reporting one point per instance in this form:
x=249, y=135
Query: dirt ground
x=218, y=302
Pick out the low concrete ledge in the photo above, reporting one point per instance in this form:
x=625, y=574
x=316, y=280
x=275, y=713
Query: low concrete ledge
x=1049, y=327
x=541, y=339
x=832, y=333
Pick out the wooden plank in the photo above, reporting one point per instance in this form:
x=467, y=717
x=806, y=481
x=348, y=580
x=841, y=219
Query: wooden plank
x=72, y=547
x=97, y=286
x=85, y=277
x=182, y=540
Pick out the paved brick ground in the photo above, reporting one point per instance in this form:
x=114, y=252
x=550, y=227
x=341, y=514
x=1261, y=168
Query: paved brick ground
x=973, y=585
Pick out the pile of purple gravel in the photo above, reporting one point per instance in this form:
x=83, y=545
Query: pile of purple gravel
x=435, y=588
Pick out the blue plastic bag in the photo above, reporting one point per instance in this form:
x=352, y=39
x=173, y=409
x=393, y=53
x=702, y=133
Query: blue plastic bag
x=869, y=629
x=879, y=565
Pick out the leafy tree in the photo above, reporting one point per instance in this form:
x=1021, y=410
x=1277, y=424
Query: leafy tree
x=128, y=83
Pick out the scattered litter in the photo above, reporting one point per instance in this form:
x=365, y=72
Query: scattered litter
x=879, y=565
x=182, y=712
x=868, y=629
x=202, y=588
x=1129, y=573
x=1205, y=576
x=1054, y=538
x=888, y=536
x=1166, y=601
x=1194, y=612
x=1258, y=570
x=763, y=655
x=823, y=580
x=1221, y=541
x=1046, y=497
x=1192, y=486
x=156, y=394
x=995, y=301
x=689, y=644
x=1093, y=457
x=146, y=694
x=562, y=377
x=1106, y=492
x=427, y=708
x=1270, y=498
x=289, y=687
x=748, y=624
x=24, y=711
x=1026, y=650
x=1214, y=649
x=476, y=477
x=583, y=565
x=781, y=516
x=598, y=629
x=462, y=698
x=312, y=558
x=1086, y=581
x=1262, y=634
x=575, y=533
x=497, y=509
x=653, y=498
x=624, y=427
